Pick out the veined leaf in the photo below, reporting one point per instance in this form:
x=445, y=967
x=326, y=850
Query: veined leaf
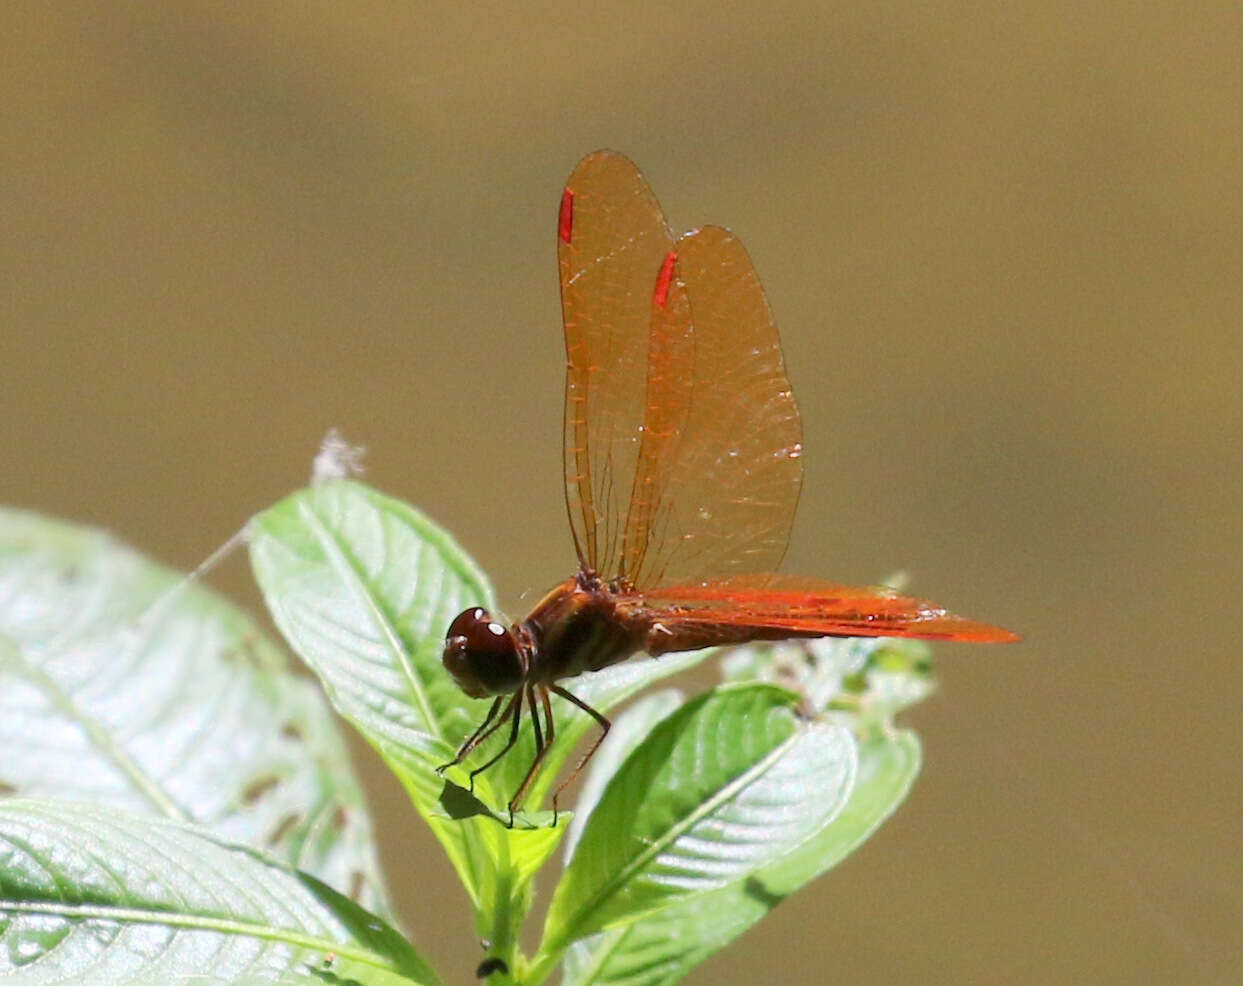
x=873, y=679
x=104, y=897
x=603, y=691
x=628, y=731
x=364, y=587
x=719, y=790
x=660, y=950
x=180, y=708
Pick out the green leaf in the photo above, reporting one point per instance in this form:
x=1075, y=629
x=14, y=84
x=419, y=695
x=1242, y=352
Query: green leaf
x=603, y=691
x=363, y=587
x=110, y=899
x=659, y=951
x=872, y=679
x=628, y=731
x=718, y=791
x=180, y=709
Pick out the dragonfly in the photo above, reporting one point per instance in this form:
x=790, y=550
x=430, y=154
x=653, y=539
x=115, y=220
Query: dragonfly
x=683, y=461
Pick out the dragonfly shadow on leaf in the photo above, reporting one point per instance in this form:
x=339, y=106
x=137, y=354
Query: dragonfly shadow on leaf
x=459, y=803
x=754, y=888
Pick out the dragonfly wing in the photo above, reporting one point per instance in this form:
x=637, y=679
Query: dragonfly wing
x=611, y=240
x=772, y=604
x=720, y=468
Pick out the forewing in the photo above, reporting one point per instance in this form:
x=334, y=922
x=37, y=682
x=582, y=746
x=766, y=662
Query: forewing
x=611, y=241
x=719, y=474
x=806, y=607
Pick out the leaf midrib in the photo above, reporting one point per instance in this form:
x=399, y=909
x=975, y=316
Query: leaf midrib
x=705, y=808
x=474, y=853
x=350, y=576
x=232, y=926
x=99, y=737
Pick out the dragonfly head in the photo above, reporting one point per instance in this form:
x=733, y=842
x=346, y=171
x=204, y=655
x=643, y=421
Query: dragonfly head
x=483, y=655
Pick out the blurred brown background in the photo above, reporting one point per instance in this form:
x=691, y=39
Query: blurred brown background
x=1004, y=244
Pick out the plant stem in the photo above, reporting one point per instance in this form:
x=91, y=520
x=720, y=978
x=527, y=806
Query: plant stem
x=506, y=915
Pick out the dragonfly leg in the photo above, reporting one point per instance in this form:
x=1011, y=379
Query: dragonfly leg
x=604, y=731
x=542, y=745
x=477, y=737
x=512, y=711
x=548, y=716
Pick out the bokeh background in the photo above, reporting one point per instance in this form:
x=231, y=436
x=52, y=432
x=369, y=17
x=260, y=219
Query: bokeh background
x=1004, y=244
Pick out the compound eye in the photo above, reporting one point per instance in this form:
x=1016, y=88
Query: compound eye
x=465, y=622
x=482, y=655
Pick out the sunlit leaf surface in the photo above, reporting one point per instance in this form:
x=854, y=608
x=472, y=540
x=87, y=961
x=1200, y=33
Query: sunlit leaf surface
x=118, y=689
x=660, y=950
x=860, y=683
x=100, y=898
x=364, y=587
x=717, y=791
x=628, y=731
